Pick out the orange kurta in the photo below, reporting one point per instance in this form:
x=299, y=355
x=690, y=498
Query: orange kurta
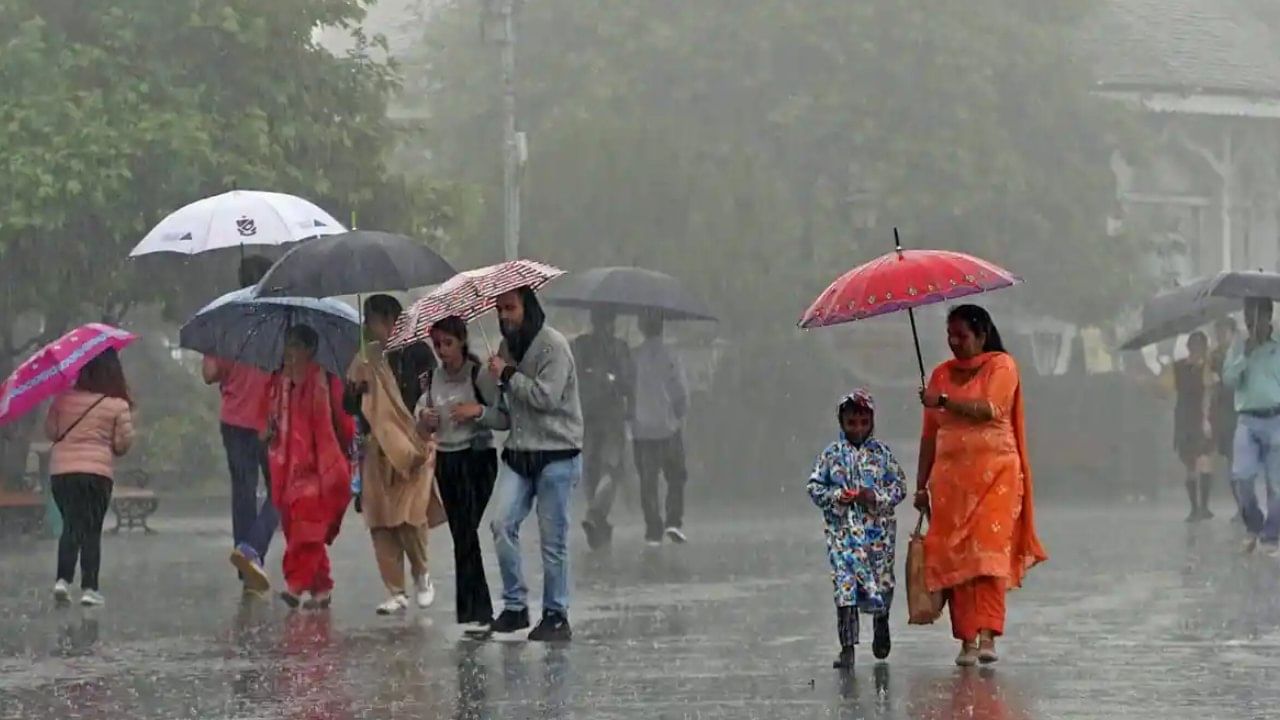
x=981, y=519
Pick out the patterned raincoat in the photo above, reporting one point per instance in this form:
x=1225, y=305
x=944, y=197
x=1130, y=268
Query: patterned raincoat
x=860, y=541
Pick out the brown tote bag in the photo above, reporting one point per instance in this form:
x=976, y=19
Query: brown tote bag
x=923, y=607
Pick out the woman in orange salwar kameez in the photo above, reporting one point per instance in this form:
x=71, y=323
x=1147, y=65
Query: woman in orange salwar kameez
x=310, y=471
x=975, y=482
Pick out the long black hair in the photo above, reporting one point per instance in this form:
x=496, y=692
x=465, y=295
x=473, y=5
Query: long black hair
x=457, y=327
x=979, y=322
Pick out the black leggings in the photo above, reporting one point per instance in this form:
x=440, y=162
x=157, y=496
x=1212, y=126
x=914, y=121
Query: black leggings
x=82, y=500
x=466, y=481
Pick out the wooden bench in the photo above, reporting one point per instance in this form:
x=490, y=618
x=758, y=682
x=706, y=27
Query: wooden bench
x=132, y=502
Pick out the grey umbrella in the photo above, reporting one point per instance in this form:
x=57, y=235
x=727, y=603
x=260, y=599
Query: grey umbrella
x=354, y=263
x=1243, y=284
x=250, y=330
x=1179, y=311
x=628, y=291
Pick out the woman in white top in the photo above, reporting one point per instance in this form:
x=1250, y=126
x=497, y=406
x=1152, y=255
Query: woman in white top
x=460, y=407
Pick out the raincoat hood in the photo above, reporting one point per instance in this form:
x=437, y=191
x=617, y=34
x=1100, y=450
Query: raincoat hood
x=859, y=399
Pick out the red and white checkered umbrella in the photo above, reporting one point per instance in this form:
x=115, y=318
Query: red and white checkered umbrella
x=468, y=295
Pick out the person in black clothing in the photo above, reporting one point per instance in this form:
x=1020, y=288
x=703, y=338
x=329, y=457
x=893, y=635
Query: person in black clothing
x=607, y=382
x=1193, y=382
x=410, y=365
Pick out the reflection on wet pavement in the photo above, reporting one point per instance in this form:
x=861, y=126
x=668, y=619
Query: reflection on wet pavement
x=1136, y=616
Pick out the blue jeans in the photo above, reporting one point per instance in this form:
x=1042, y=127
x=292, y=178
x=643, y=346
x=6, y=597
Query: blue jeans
x=513, y=499
x=1257, y=452
x=251, y=526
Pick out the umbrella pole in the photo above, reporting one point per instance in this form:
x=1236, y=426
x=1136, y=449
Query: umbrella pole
x=488, y=346
x=915, y=337
x=911, y=313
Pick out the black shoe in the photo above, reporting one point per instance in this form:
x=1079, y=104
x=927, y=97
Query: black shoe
x=880, y=643
x=511, y=621
x=293, y=601
x=553, y=628
x=845, y=661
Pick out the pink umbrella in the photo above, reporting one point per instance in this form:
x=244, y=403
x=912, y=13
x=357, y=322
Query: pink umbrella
x=468, y=295
x=56, y=367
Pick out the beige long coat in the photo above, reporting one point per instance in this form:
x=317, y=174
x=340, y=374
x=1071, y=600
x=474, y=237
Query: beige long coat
x=398, y=475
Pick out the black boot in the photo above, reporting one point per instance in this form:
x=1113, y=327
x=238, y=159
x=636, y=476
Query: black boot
x=847, y=629
x=1205, y=480
x=1193, y=496
x=880, y=643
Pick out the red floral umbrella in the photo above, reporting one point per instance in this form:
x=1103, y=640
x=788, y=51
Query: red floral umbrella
x=468, y=295
x=904, y=280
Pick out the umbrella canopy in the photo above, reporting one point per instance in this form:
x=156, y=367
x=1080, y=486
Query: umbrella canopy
x=1240, y=285
x=628, y=290
x=468, y=295
x=1179, y=311
x=56, y=367
x=241, y=327
x=235, y=219
x=355, y=262
x=904, y=280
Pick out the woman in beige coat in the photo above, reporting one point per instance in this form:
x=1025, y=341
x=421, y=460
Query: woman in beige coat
x=399, y=498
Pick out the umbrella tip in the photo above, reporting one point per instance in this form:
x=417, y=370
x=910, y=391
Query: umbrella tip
x=897, y=240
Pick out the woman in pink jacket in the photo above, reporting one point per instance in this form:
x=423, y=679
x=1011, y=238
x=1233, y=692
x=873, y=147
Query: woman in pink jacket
x=89, y=425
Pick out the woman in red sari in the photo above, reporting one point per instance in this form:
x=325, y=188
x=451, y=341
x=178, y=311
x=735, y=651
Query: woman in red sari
x=975, y=483
x=307, y=432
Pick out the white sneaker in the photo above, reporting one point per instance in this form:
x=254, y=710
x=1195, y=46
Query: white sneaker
x=61, y=592
x=426, y=591
x=92, y=598
x=394, y=604
x=676, y=535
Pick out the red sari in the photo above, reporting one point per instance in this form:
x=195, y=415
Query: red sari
x=310, y=472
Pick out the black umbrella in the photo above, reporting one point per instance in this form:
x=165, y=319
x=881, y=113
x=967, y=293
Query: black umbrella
x=628, y=291
x=354, y=263
x=1180, y=311
x=1240, y=285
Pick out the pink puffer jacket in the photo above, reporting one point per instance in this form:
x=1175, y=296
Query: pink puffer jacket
x=104, y=433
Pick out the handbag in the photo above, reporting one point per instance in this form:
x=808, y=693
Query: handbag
x=923, y=607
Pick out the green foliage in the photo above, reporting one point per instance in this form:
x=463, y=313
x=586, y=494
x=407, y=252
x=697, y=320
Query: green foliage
x=721, y=140
x=116, y=113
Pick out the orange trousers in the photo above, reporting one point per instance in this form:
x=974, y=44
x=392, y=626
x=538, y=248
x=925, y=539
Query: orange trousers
x=977, y=605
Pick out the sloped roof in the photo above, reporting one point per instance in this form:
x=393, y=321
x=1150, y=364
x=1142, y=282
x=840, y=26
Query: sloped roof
x=1189, y=46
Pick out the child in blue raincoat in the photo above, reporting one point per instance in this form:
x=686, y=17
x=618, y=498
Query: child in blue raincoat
x=857, y=483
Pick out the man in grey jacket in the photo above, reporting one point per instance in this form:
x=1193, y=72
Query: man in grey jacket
x=541, y=461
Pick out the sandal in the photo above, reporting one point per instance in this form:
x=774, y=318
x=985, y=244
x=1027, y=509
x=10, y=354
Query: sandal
x=968, y=656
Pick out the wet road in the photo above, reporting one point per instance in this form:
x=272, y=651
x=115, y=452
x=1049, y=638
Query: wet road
x=1136, y=616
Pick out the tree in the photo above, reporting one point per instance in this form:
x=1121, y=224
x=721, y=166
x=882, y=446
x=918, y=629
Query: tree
x=116, y=113
x=744, y=146
x=971, y=124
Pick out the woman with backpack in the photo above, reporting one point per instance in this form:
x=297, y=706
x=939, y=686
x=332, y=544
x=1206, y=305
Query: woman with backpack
x=90, y=426
x=459, y=408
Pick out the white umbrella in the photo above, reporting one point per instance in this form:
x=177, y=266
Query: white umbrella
x=236, y=219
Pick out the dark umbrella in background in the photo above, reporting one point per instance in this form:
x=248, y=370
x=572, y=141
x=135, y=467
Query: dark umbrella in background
x=1243, y=284
x=628, y=291
x=1179, y=311
x=355, y=263
x=250, y=330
